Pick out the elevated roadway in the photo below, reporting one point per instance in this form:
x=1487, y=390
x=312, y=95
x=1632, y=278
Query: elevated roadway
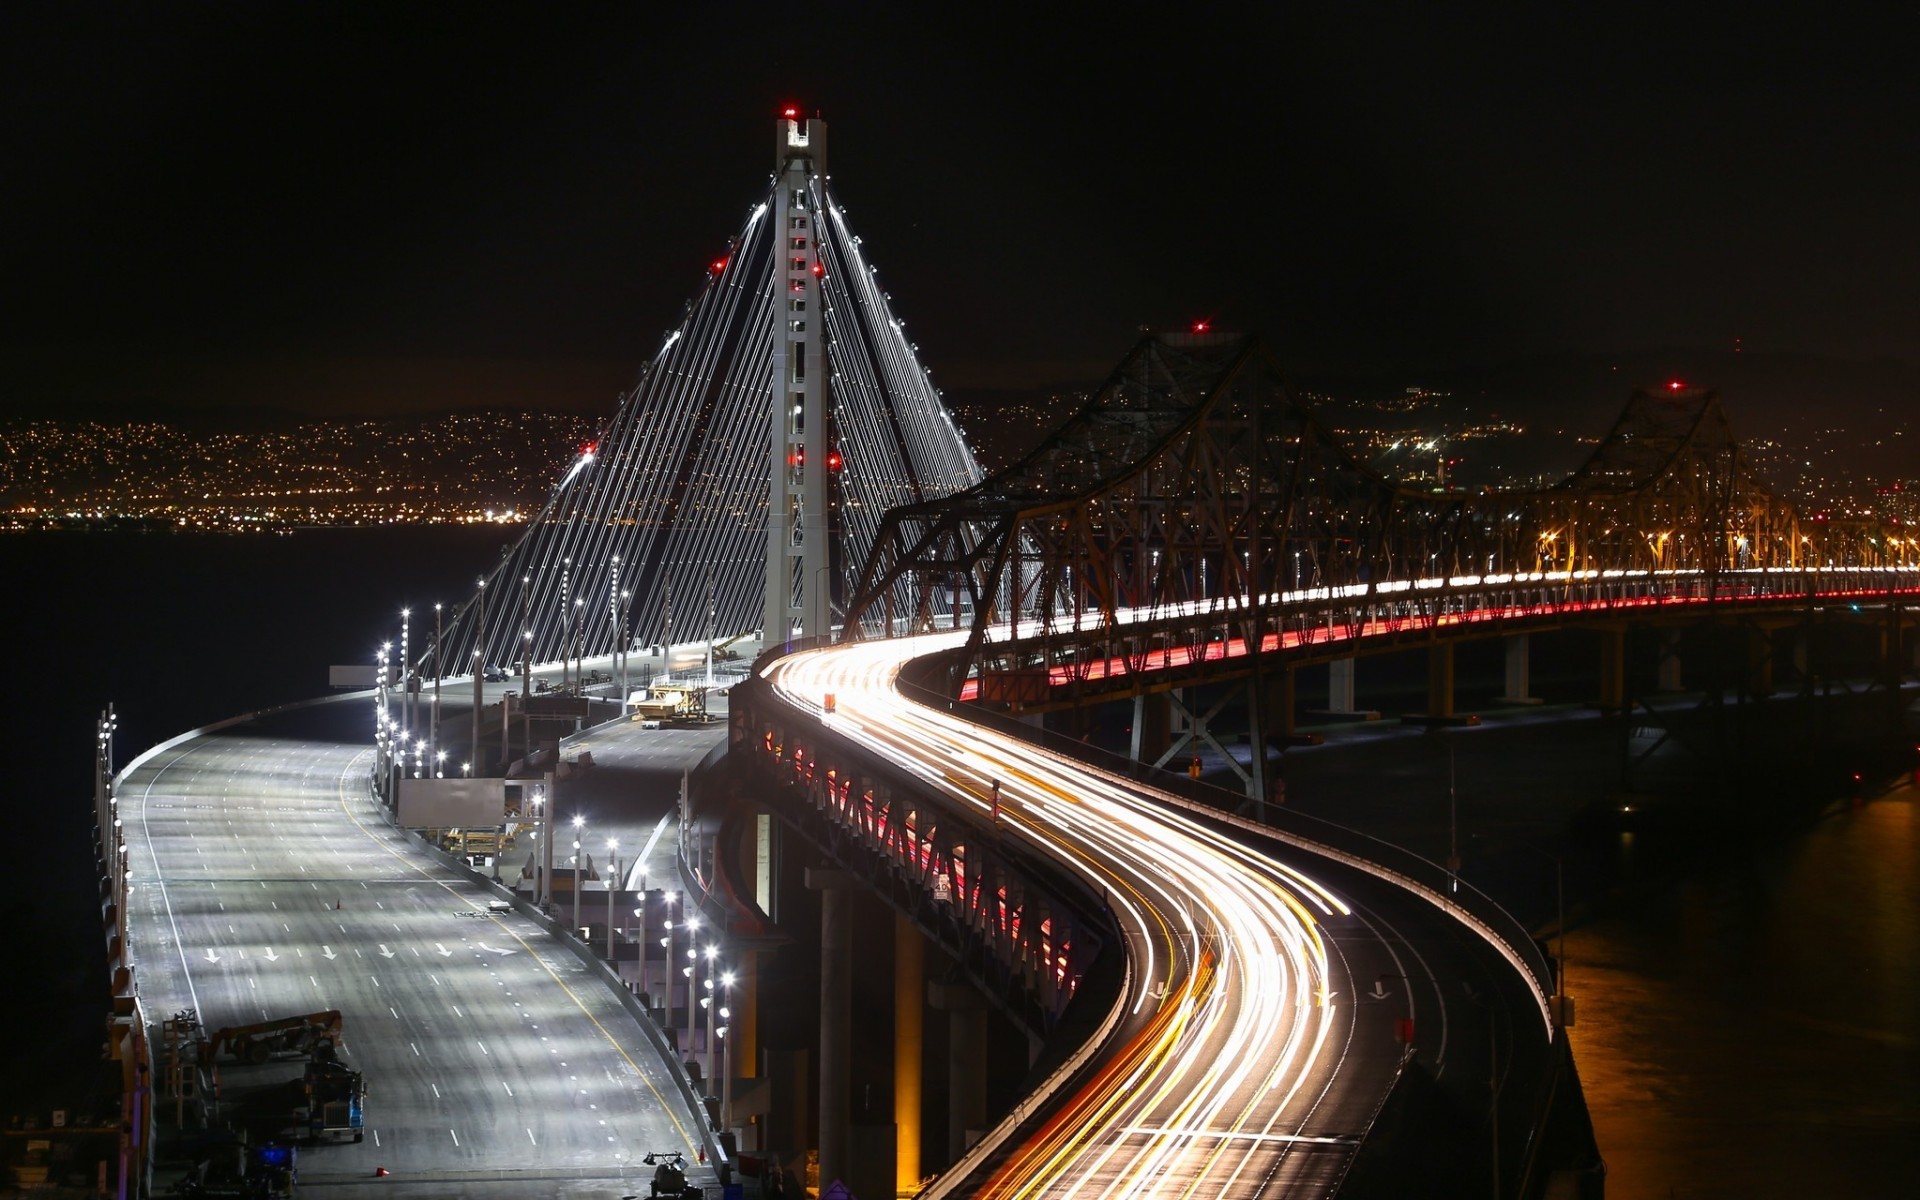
x=267, y=883
x=1267, y=985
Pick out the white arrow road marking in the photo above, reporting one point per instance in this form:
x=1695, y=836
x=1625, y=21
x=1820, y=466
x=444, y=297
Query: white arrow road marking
x=211, y=956
x=271, y=956
x=1379, y=991
x=444, y=952
x=327, y=953
x=384, y=952
x=491, y=950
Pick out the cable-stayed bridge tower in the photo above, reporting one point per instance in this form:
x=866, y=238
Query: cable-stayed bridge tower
x=741, y=482
x=797, y=547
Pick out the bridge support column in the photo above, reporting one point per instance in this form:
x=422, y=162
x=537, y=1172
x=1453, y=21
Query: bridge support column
x=909, y=993
x=966, y=1063
x=742, y=1046
x=1281, y=718
x=1257, y=745
x=1613, y=670
x=836, y=1016
x=1440, y=679
x=1668, y=676
x=1152, y=726
x=1759, y=663
x=1340, y=685
x=1519, y=671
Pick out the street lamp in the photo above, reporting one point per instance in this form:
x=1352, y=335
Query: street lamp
x=692, y=922
x=710, y=1002
x=578, y=823
x=625, y=648
x=544, y=873
x=406, y=669
x=437, y=673
x=613, y=882
x=480, y=667
x=726, y=1061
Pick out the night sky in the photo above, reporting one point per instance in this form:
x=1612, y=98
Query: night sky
x=378, y=207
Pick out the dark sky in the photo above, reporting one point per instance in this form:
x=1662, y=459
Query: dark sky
x=355, y=208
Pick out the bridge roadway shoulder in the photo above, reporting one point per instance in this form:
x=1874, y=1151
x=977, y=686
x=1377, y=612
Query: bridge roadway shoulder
x=487, y=1048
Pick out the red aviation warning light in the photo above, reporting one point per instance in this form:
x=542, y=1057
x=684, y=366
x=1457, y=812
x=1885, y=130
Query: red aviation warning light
x=1202, y=325
x=717, y=265
x=587, y=450
x=790, y=112
x=834, y=461
x=1675, y=385
x=819, y=270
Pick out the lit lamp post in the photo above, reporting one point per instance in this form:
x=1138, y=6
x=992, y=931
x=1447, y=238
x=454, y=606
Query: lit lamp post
x=439, y=764
x=578, y=824
x=692, y=922
x=580, y=646
x=726, y=1060
x=406, y=671
x=613, y=886
x=526, y=670
x=479, y=667
x=437, y=673
x=710, y=1002
x=625, y=638
x=543, y=874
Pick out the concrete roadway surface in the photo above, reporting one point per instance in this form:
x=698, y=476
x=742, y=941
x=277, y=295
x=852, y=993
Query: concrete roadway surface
x=1255, y=1035
x=267, y=884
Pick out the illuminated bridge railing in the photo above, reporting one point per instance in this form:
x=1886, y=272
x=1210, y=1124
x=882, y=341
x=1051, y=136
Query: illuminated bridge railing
x=1086, y=657
x=1027, y=932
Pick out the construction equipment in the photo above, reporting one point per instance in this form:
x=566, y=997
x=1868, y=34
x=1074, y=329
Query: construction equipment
x=669, y=1175
x=254, y=1043
x=662, y=704
x=335, y=1096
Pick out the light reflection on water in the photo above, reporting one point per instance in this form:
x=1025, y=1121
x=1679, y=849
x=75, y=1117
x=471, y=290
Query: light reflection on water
x=1754, y=1030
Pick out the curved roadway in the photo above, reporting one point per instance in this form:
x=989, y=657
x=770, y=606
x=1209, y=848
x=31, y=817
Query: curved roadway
x=1256, y=1033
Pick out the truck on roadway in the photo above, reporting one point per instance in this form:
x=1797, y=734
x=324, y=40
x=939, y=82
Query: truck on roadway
x=335, y=1097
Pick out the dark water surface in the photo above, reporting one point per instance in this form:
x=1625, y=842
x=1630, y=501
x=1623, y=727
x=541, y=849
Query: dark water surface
x=1753, y=1028
x=1749, y=1008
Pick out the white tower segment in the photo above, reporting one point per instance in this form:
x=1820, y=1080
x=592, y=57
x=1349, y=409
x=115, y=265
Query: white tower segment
x=799, y=553
x=689, y=489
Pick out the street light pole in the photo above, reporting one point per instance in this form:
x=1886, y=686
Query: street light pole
x=406, y=670
x=479, y=669
x=579, y=822
x=711, y=1002
x=526, y=668
x=626, y=647
x=693, y=925
x=613, y=885
x=542, y=820
x=726, y=1060
x=438, y=671
x=566, y=577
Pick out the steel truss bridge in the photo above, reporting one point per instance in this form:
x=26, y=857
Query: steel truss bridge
x=1192, y=510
